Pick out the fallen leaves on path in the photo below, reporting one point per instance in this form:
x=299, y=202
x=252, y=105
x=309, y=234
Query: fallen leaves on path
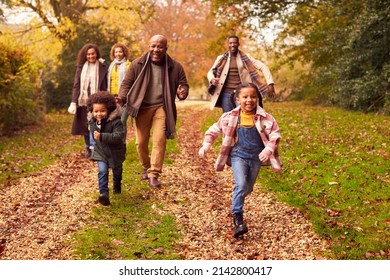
x=40, y=213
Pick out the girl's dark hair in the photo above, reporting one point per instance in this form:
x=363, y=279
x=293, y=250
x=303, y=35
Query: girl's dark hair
x=247, y=85
x=102, y=97
x=82, y=55
x=124, y=49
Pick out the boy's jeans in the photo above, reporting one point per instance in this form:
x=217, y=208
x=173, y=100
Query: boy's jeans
x=103, y=176
x=245, y=173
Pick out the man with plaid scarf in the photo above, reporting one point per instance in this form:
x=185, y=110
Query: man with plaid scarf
x=232, y=69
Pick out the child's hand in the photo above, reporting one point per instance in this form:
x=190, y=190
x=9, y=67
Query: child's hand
x=96, y=135
x=264, y=155
x=203, y=150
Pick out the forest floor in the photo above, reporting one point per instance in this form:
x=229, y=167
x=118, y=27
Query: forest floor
x=40, y=213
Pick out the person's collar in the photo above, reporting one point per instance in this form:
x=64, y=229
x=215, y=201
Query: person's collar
x=236, y=54
x=160, y=63
x=260, y=111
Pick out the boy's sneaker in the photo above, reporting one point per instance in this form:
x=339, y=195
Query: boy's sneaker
x=104, y=199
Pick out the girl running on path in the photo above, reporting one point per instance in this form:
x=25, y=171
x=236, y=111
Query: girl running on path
x=250, y=138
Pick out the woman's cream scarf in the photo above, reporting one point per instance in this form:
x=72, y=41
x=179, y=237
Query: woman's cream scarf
x=89, y=81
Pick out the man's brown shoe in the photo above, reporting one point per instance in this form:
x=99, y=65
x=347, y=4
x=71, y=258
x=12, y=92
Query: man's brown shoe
x=153, y=182
x=145, y=174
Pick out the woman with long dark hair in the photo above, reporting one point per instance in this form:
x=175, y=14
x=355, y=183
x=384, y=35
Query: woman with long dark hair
x=90, y=77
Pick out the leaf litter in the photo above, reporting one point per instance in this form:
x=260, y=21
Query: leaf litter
x=39, y=214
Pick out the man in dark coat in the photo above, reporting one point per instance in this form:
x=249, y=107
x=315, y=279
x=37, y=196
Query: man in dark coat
x=148, y=91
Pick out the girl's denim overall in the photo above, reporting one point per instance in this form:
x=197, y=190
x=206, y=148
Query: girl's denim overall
x=245, y=164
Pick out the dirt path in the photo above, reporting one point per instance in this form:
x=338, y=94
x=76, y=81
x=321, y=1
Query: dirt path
x=40, y=213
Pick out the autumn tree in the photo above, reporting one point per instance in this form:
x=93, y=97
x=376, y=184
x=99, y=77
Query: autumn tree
x=190, y=30
x=21, y=101
x=363, y=72
x=345, y=43
x=233, y=15
x=61, y=17
x=74, y=23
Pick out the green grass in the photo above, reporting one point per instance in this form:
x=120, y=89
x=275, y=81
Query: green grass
x=132, y=227
x=34, y=148
x=336, y=170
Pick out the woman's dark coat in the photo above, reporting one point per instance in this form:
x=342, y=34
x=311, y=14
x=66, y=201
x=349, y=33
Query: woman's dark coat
x=80, y=122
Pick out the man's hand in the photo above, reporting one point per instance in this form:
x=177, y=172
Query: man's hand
x=271, y=91
x=214, y=81
x=119, y=101
x=181, y=92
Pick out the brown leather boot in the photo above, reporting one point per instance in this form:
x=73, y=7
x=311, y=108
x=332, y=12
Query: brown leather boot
x=144, y=175
x=153, y=182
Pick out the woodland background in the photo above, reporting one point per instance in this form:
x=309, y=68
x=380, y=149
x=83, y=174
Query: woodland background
x=329, y=53
x=325, y=51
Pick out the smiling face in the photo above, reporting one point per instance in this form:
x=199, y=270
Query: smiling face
x=247, y=98
x=158, y=48
x=91, y=55
x=99, y=111
x=233, y=45
x=119, y=54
